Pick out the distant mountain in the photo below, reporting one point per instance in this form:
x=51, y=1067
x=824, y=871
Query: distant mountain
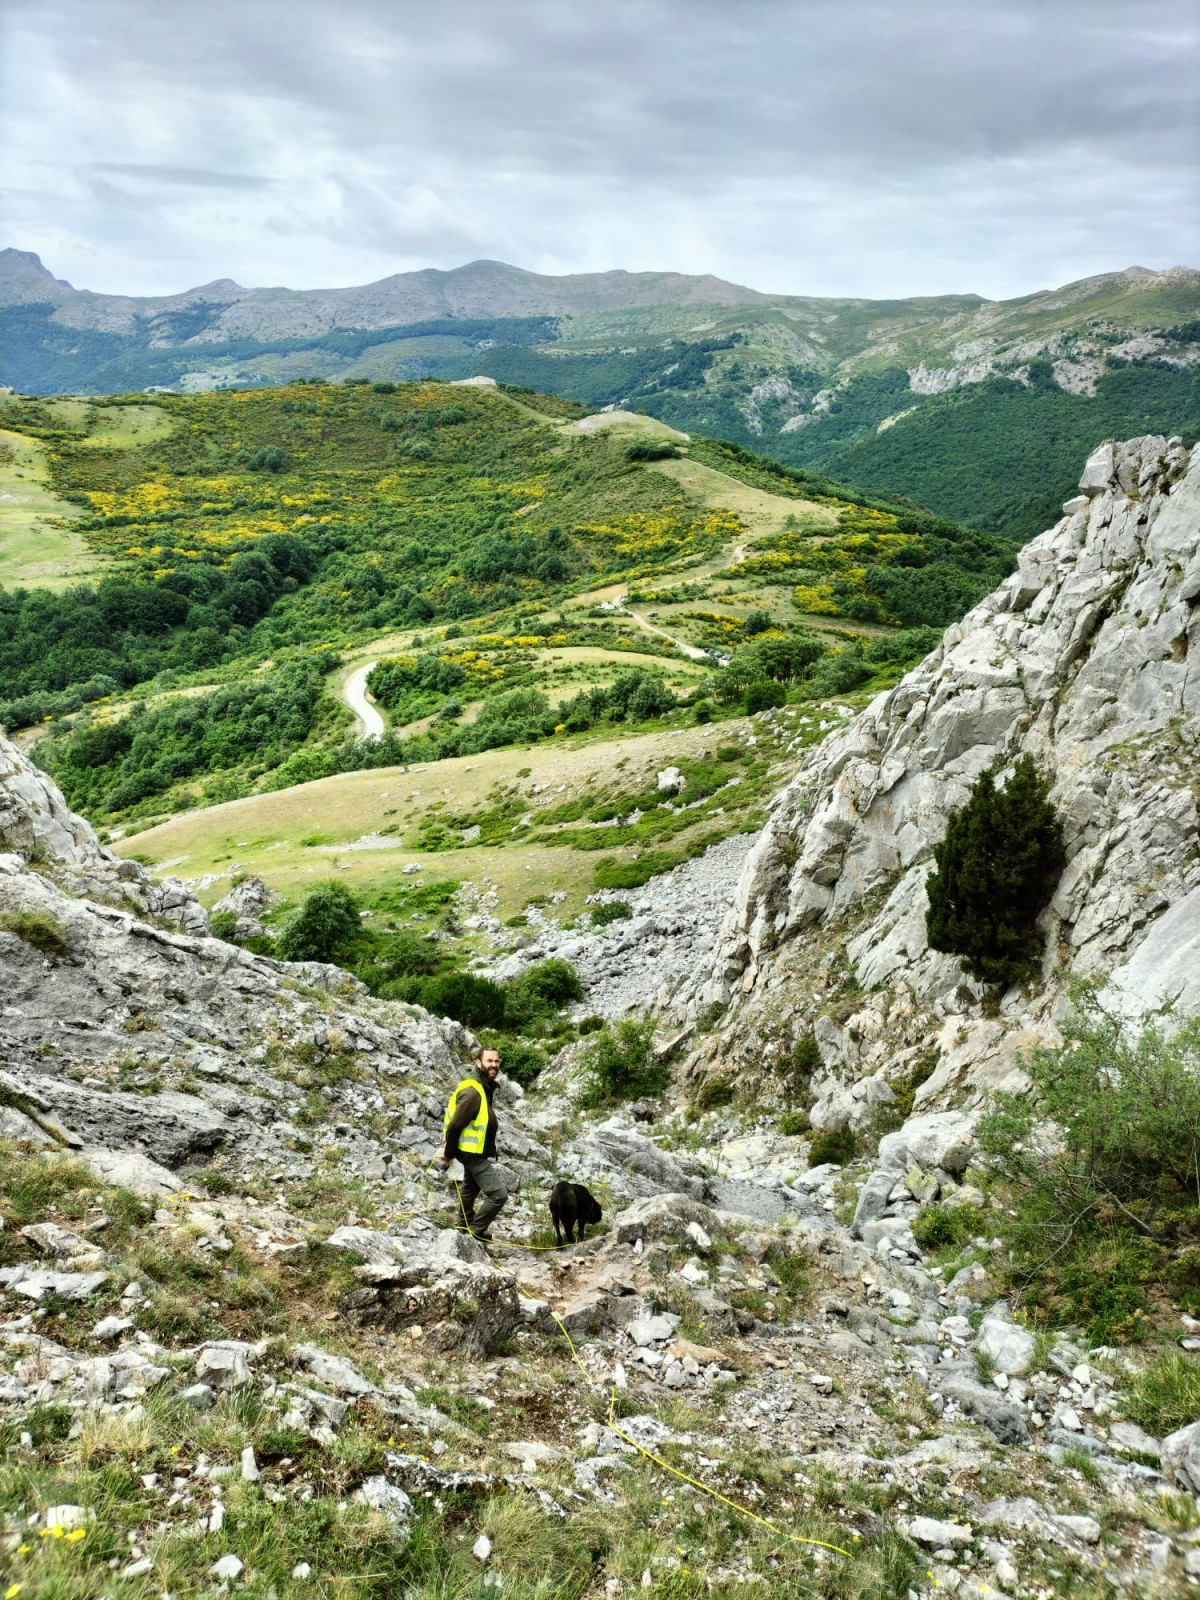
x=976, y=408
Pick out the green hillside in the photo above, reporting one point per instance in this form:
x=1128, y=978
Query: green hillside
x=497, y=560
x=981, y=410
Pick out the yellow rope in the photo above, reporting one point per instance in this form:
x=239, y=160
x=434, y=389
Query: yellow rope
x=704, y=1488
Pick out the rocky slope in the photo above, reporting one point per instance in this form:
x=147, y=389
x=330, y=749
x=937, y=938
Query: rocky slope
x=311, y=1375
x=1088, y=659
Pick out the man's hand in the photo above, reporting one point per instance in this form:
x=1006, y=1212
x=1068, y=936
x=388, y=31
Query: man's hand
x=443, y=1161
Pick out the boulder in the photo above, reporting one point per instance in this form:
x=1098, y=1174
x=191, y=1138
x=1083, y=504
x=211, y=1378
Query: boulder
x=333, y=1371
x=392, y=1503
x=615, y=1144
x=222, y=1368
x=471, y=1307
x=1002, y=1419
x=671, y=781
x=873, y=1199
x=1131, y=1440
x=1010, y=1349
x=942, y=1139
x=129, y=1169
x=595, y=1310
x=934, y=1533
x=39, y=1282
x=52, y=1240
x=1181, y=1457
x=662, y=1217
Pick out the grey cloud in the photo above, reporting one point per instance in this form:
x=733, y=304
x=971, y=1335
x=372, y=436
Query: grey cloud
x=149, y=172
x=975, y=147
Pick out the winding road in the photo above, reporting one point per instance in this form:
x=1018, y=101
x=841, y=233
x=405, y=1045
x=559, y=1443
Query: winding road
x=354, y=693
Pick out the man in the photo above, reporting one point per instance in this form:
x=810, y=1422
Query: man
x=470, y=1137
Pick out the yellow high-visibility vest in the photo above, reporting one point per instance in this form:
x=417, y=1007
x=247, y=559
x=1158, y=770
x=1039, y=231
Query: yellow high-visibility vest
x=471, y=1139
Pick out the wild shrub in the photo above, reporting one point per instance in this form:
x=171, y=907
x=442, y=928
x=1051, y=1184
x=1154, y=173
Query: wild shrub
x=792, y=1123
x=322, y=927
x=799, y=1066
x=714, y=1093
x=520, y=1059
x=997, y=867
x=758, y=621
x=542, y=989
x=620, y=1064
x=761, y=696
x=937, y=1226
x=610, y=873
x=475, y=1001
x=837, y=1146
x=1101, y=1160
x=610, y=911
x=222, y=924
x=39, y=929
x=650, y=450
x=267, y=460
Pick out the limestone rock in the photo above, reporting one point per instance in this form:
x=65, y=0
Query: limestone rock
x=336, y=1372
x=986, y=1407
x=933, y=1533
x=938, y=1139
x=1010, y=1348
x=1181, y=1457
x=1083, y=659
x=662, y=1217
x=392, y=1503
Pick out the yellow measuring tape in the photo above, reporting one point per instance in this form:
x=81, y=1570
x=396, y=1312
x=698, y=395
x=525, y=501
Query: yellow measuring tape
x=782, y=1533
x=774, y=1528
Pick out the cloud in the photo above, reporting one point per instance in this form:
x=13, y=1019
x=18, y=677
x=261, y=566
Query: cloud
x=862, y=148
x=149, y=172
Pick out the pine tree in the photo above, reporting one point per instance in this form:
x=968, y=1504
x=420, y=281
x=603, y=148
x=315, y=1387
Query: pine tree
x=996, y=869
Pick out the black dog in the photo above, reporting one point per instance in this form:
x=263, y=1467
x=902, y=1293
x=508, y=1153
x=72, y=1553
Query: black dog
x=572, y=1207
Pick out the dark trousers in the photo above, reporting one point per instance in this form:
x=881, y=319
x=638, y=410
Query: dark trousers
x=482, y=1177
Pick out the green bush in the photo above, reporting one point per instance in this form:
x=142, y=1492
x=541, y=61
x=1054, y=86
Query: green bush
x=650, y=450
x=38, y=929
x=520, y=1059
x=764, y=694
x=613, y=874
x=798, y=1068
x=620, y=1064
x=409, y=954
x=937, y=1226
x=223, y=924
x=758, y=621
x=477, y=1002
x=541, y=989
x=322, y=927
x=610, y=911
x=837, y=1146
x=715, y=1092
x=1101, y=1161
x=997, y=867
x=792, y=1123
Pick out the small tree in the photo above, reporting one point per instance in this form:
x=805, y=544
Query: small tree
x=322, y=927
x=997, y=867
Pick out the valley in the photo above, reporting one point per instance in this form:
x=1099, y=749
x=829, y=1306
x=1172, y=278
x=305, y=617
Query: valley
x=859, y=1318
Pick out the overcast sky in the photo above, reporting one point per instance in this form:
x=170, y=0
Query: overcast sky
x=809, y=146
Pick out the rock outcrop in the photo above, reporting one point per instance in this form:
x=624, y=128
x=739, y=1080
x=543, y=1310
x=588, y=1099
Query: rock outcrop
x=1088, y=659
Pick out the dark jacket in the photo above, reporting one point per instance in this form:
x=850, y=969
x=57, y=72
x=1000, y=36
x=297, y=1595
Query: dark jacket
x=465, y=1113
